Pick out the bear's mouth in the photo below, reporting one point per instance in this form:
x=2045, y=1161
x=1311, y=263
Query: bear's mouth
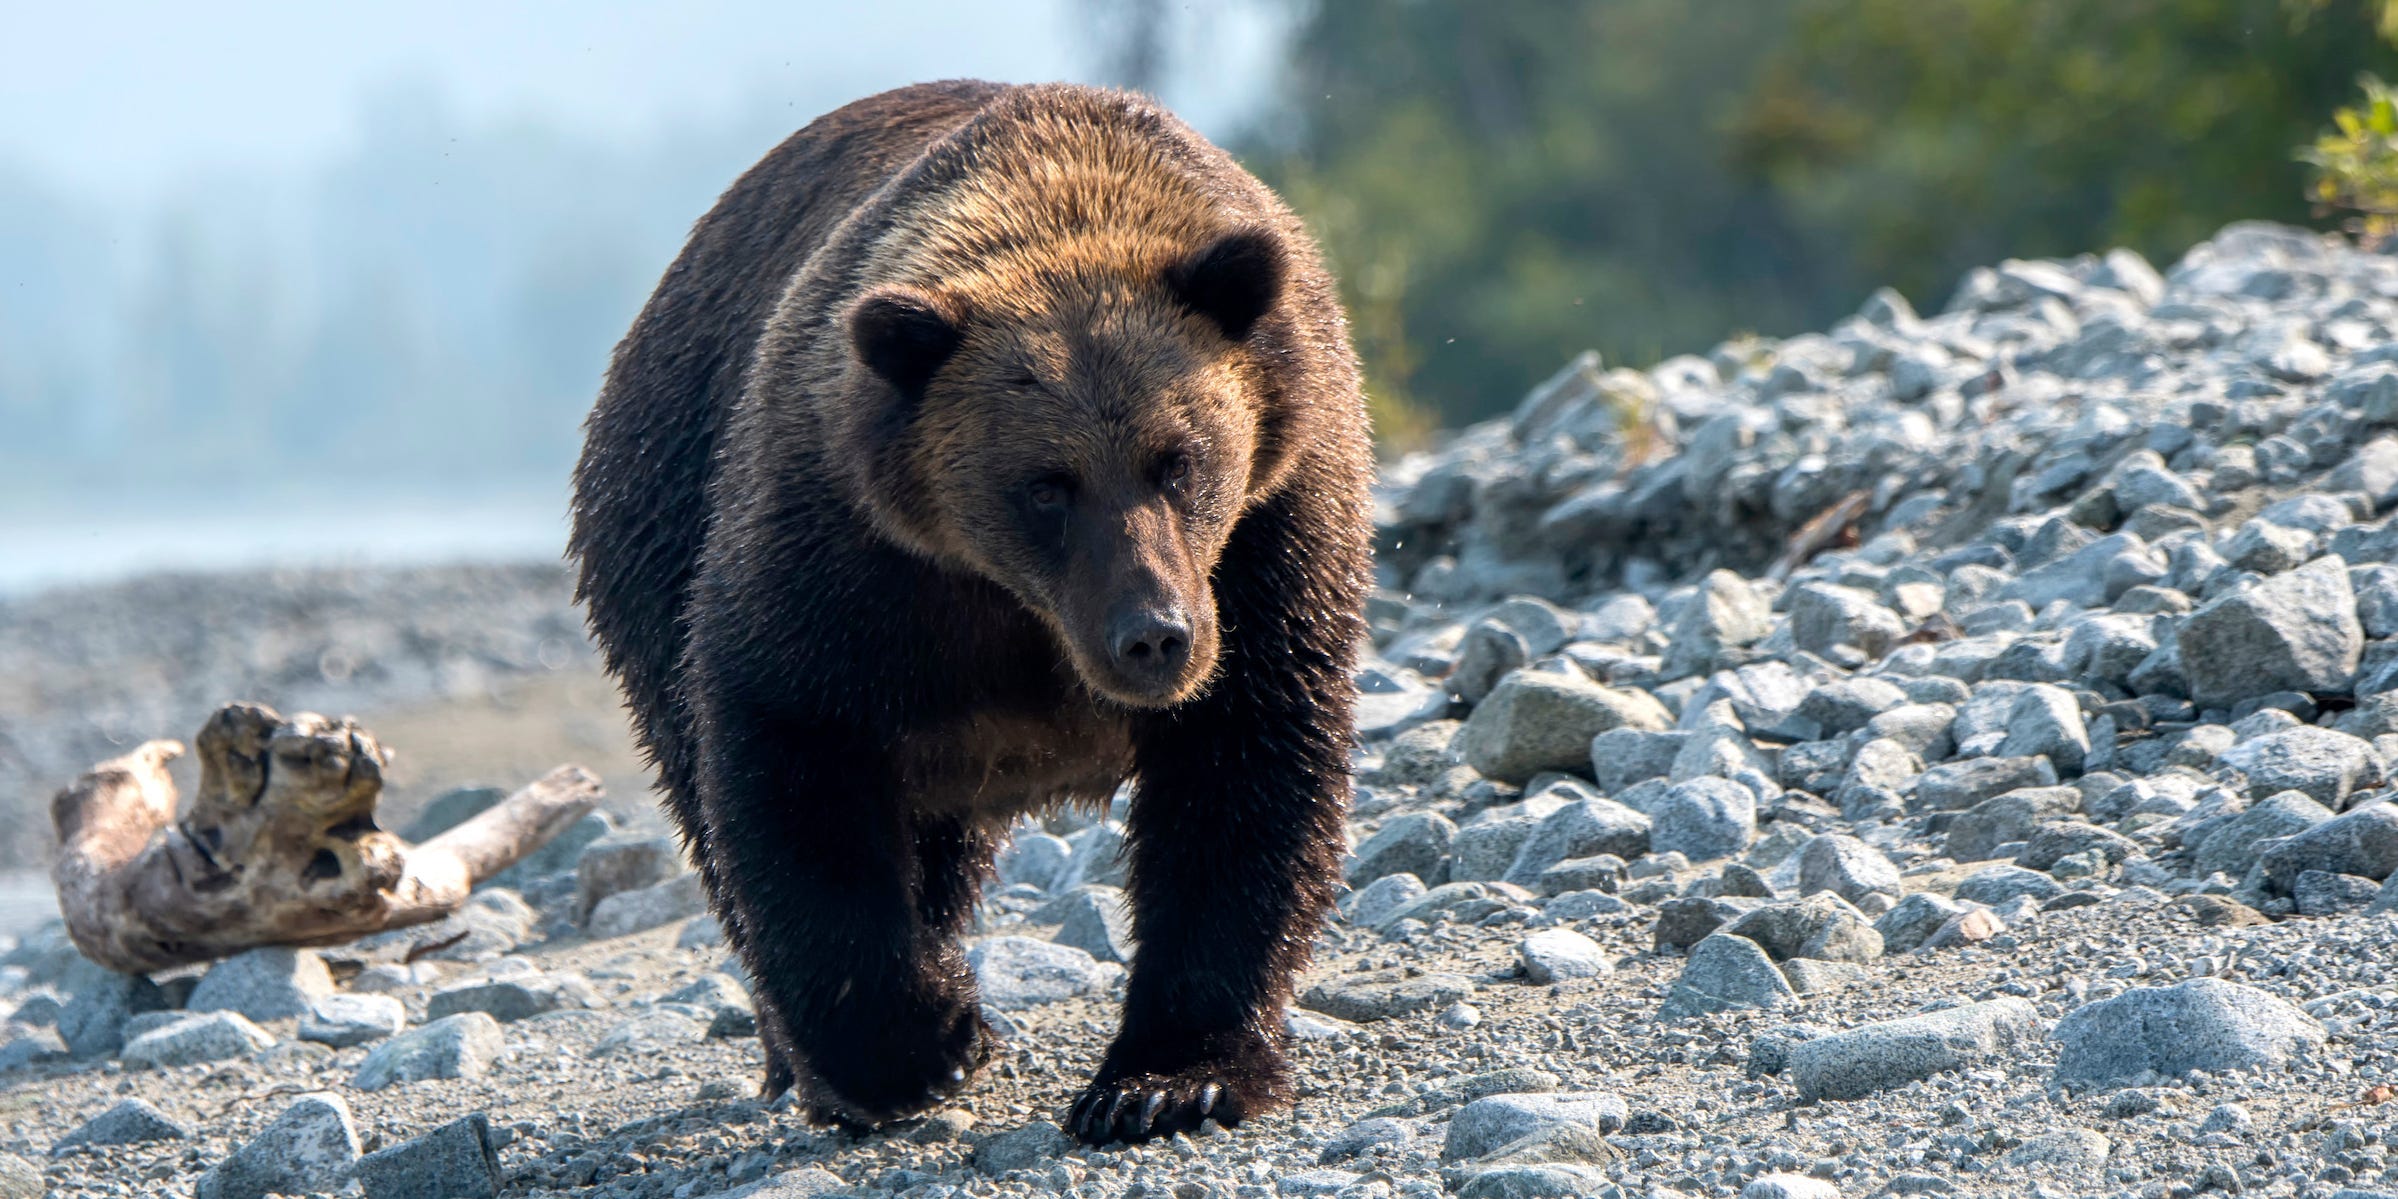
x=1166, y=667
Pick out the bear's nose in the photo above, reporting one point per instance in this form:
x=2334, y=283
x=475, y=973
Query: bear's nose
x=1150, y=645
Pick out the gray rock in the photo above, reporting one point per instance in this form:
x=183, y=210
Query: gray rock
x=1769, y=1051
x=273, y=983
x=1996, y=885
x=32, y=1047
x=1580, y=829
x=1954, y=786
x=2296, y=631
x=622, y=862
x=700, y=932
x=1383, y=995
x=1788, y=1186
x=1825, y=619
x=1846, y=867
x=448, y=810
x=343, y=1020
x=1098, y=922
x=556, y=856
x=192, y=1039
x=513, y=998
x=1844, y=706
x=2204, y=1024
x=455, y=1161
x=92, y=1022
x=2322, y=893
x=130, y=1122
x=1099, y=858
x=1414, y=843
x=1688, y=920
x=1379, y=900
x=1724, y=974
x=1561, y=955
x=1017, y=973
x=1821, y=926
x=1914, y=919
x=1033, y=858
x=1535, y=721
x=2363, y=842
x=1725, y=613
x=721, y=1000
x=493, y=921
x=1892, y=1053
x=2386, y=902
x=2077, y=1150
x=1604, y=872
x=1622, y=757
x=459, y=1046
x=2059, y=839
x=1493, y=1121
x=2234, y=845
x=2046, y=722
x=1704, y=819
x=623, y=913
x=1022, y=1148
x=310, y=1146
x=2327, y=765
x=1487, y=652
x=1977, y=833
x=645, y=1034
x=1371, y=1133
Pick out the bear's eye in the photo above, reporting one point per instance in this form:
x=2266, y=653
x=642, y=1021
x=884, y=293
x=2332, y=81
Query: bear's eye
x=1049, y=491
x=1175, y=469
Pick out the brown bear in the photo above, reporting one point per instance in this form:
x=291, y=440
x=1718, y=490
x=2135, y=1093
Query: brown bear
x=988, y=447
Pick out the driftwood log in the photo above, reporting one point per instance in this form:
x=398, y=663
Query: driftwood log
x=278, y=846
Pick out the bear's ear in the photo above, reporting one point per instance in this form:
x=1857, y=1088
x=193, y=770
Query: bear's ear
x=1232, y=280
x=905, y=335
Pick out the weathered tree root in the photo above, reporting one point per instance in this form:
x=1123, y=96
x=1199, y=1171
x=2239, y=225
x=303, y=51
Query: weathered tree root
x=278, y=846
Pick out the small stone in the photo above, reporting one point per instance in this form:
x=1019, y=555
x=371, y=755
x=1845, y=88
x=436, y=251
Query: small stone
x=192, y=1039
x=1022, y=1148
x=92, y=1022
x=1769, y=1051
x=2321, y=893
x=700, y=932
x=722, y=1002
x=1970, y=927
x=1382, y=995
x=623, y=913
x=1725, y=613
x=1535, y=721
x=1825, y=619
x=1414, y=843
x=1368, y=1134
x=1994, y=886
x=1098, y=922
x=1383, y=898
x=1493, y=1121
x=1788, y=1186
x=622, y=862
x=1976, y=834
x=1686, y=921
x=1582, y=828
x=2363, y=841
x=1955, y=786
x=1878, y=1057
x=1846, y=867
x=1099, y=858
x=1458, y=1017
x=2057, y=840
x=1016, y=973
x=1704, y=819
x=459, y=1046
x=1034, y=858
x=273, y=983
x=310, y=1146
x=2236, y=844
x=657, y=1030
x=130, y=1122
x=342, y=1020
x=1821, y=926
x=514, y=998
x=1915, y=918
x=2046, y=722
x=1559, y=955
x=809, y=1182
x=454, y=1161
x=1726, y=973
x=2208, y=1024
x=1603, y=872
x=2079, y=1150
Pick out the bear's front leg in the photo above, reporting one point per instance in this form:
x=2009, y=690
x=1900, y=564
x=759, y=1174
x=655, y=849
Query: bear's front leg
x=1236, y=833
x=848, y=913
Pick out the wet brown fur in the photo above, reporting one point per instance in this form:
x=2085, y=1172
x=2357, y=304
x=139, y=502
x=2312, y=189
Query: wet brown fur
x=853, y=663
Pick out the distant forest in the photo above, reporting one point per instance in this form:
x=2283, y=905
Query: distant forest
x=1500, y=186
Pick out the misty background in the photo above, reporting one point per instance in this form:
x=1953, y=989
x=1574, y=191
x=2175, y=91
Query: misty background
x=283, y=281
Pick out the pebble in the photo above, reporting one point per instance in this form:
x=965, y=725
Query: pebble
x=343, y=1020
x=310, y=1146
x=273, y=983
x=1017, y=973
x=1561, y=955
x=1726, y=973
x=190, y=1040
x=1385, y=995
x=454, y=1161
x=130, y=1122
x=1495, y=1120
x=460, y=1046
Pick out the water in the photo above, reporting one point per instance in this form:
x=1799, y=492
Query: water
x=46, y=546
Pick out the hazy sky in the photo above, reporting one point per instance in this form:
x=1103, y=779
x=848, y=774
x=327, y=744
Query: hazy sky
x=122, y=99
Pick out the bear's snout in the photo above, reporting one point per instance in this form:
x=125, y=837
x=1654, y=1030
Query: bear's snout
x=1150, y=646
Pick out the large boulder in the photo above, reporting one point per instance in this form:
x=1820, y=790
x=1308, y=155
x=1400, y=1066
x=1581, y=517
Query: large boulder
x=1536, y=721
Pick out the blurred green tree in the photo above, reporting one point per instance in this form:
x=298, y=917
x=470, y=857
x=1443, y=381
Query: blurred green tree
x=1502, y=185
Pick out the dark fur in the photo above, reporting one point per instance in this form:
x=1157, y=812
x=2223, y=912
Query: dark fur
x=852, y=677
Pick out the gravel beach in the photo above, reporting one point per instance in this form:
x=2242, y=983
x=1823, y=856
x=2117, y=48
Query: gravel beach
x=1947, y=755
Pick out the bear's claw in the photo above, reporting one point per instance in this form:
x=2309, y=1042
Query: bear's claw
x=1146, y=1106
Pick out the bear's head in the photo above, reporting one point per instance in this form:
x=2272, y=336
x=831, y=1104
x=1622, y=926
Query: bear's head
x=1086, y=438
